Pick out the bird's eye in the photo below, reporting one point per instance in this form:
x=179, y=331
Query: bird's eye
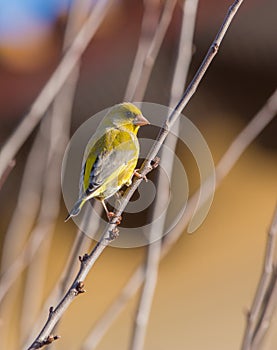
x=129, y=114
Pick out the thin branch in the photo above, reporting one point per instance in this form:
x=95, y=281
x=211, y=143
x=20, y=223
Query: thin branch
x=54, y=84
x=147, y=165
x=143, y=64
x=266, y=318
x=154, y=249
x=111, y=230
x=30, y=189
x=80, y=237
x=23, y=219
x=59, y=134
x=225, y=165
x=147, y=54
x=257, y=326
x=150, y=18
x=24, y=216
x=50, y=202
x=142, y=67
x=146, y=299
x=81, y=244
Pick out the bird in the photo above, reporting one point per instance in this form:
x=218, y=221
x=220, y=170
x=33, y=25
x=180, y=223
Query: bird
x=110, y=157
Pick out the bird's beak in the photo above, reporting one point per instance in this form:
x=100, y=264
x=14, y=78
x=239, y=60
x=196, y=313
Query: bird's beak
x=140, y=120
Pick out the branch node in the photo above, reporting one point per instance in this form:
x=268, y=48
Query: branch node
x=215, y=48
x=51, y=310
x=155, y=162
x=166, y=126
x=80, y=287
x=83, y=258
x=114, y=219
x=139, y=175
x=50, y=339
x=114, y=233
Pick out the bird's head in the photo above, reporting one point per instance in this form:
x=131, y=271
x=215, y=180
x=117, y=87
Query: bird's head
x=127, y=116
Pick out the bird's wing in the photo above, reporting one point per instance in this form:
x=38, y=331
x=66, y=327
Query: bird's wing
x=107, y=158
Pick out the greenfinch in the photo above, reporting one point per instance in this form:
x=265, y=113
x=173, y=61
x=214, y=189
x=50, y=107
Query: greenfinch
x=110, y=156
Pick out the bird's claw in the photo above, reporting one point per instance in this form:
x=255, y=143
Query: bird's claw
x=111, y=215
x=139, y=175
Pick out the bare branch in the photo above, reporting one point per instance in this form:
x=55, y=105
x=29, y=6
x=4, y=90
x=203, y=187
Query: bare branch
x=147, y=53
x=50, y=203
x=81, y=244
x=47, y=161
x=154, y=249
x=258, y=319
x=24, y=215
x=150, y=18
x=111, y=231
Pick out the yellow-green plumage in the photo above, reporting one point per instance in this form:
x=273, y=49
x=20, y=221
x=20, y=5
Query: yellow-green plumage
x=111, y=155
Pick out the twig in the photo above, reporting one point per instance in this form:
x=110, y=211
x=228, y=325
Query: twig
x=154, y=249
x=256, y=327
x=143, y=64
x=55, y=83
x=225, y=165
x=162, y=26
x=24, y=215
x=147, y=53
x=50, y=202
x=58, y=131
x=266, y=318
x=149, y=21
x=111, y=230
x=59, y=134
x=22, y=221
x=81, y=244
x=146, y=299
x=144, y=61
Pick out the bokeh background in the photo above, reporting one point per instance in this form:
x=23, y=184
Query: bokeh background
x=207, y=282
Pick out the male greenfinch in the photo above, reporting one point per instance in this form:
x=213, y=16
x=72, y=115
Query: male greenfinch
x=110, y=156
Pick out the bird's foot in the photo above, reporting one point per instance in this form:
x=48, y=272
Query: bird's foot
x=137, y=174
x=111, y=216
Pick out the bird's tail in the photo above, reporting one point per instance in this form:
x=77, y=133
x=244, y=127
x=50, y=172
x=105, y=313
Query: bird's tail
x=76, y=208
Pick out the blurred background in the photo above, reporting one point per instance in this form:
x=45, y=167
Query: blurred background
x=207, y=281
